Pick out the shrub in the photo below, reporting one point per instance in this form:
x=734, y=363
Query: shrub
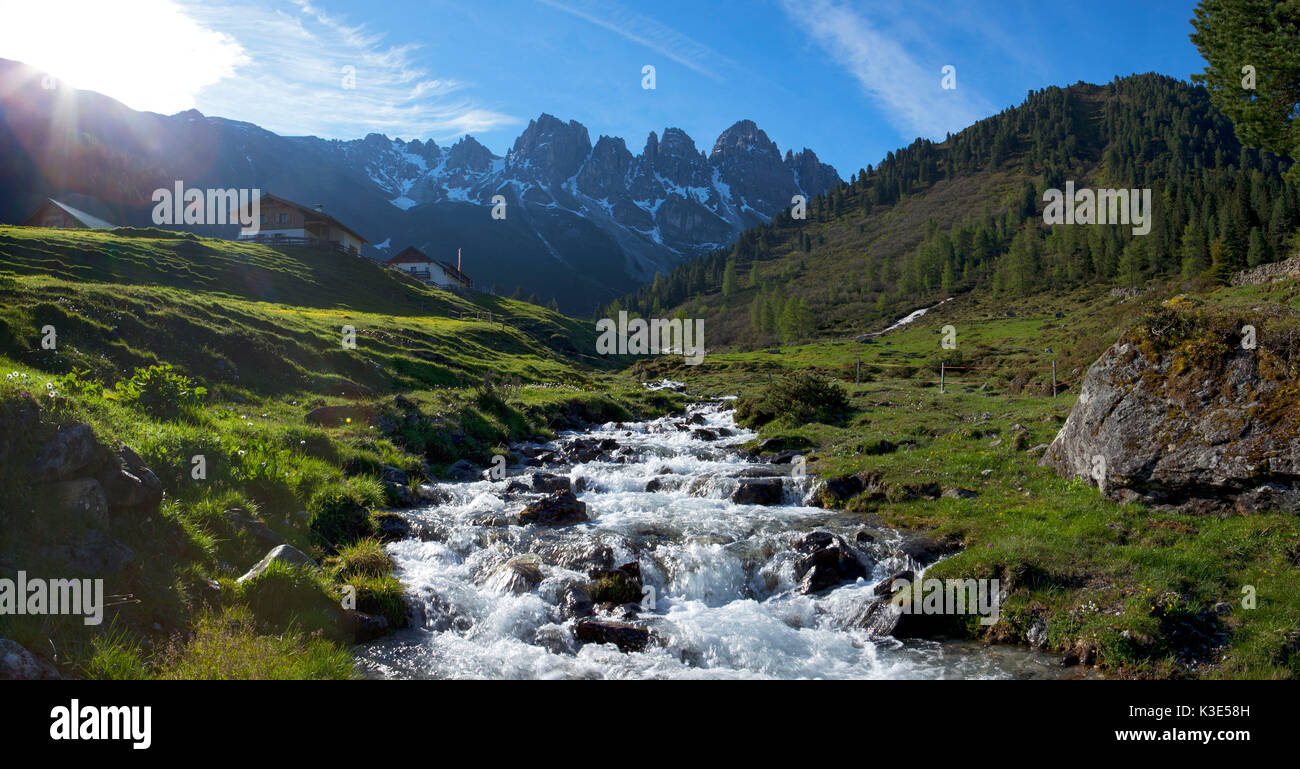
x=161, y=392
x=796, y=399
x=339, y=513
x=72, y=383
x=1166, y=327
x=381, y=596
x=365, y=557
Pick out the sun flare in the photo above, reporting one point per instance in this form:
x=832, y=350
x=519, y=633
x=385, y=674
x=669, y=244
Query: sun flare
x=148, y=54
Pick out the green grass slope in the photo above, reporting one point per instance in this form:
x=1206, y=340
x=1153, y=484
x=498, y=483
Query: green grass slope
x=142, y=320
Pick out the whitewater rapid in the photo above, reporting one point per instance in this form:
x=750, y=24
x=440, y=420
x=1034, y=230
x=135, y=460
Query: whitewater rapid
x=726, y=602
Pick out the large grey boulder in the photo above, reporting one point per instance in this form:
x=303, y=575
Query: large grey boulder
x=463, y=470
x=547, y=483
x=517, y=576
x=1195, y=427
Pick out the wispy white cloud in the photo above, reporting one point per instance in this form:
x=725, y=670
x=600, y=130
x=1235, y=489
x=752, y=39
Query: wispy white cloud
x=906, y=83
x=652, y=34
x=308, y=72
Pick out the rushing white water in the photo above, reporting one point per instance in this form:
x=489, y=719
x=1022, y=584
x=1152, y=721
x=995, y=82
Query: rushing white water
x=727, y=604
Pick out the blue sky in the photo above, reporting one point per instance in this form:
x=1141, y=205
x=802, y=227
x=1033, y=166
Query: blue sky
x=851, y=79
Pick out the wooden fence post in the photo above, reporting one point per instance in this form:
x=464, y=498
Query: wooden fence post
x=1053, y=377
x=857, y=374
x=942, y=372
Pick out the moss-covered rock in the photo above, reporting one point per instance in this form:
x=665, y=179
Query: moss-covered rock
x=1185, y=411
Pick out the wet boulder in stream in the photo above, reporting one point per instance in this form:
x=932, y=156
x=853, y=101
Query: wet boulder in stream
x=616, y=586
x=539, y=483
x=827, y=561
x=546, y=483
x=758, y=491
x=891, y=613
x=575, y=602
x=364, y=627
x=463, y=470
x=558, y=509
x=664, y=483
x=626, y=636
x=518, y=575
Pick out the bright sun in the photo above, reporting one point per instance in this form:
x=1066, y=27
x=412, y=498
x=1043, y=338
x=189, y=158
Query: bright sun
x=147, y=54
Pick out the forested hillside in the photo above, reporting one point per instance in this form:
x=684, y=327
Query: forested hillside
x=935, y=219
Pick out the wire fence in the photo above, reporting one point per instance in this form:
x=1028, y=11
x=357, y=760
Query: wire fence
x=944, y=380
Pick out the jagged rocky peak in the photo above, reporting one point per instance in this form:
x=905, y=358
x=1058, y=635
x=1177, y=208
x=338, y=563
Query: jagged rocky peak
x=552, y=149
x=750, y=163
x=680, y=162
x=744, y=138
x=605, y=174
x=428, y=150
x=812, y=175
x=468, y=155
x=651, y=150
x=673, y=159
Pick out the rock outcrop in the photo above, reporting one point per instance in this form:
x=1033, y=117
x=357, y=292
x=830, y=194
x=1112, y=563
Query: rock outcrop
x=82, y=488
x=1177, y=413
